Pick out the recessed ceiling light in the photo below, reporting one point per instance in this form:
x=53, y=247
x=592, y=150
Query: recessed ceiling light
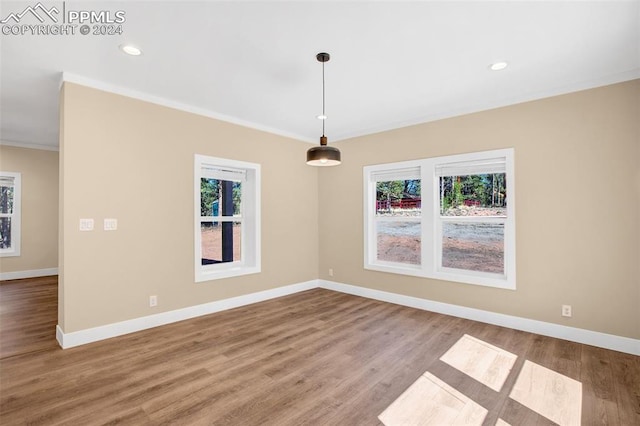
x=497, y=66
x=130, y=50
x=321, y=117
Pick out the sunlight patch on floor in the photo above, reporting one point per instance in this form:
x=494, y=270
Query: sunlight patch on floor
x=481, y=361
x=430, y=401
x=550, y=394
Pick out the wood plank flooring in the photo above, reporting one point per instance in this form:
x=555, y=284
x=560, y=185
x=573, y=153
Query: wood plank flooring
x=312, y=358
x=28, y=315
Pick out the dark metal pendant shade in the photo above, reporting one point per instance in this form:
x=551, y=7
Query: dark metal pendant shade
x=323, y=155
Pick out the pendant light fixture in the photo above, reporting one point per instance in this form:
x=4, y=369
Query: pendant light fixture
x=323, y=155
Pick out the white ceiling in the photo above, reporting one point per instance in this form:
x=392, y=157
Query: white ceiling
x=392, y=63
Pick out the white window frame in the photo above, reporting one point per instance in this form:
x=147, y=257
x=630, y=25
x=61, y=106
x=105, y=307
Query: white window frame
x=431, y=222
x=249, y=175
x=15, y=215
x=390, y=172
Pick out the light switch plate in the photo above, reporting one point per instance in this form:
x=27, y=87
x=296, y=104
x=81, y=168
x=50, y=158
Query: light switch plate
x=110, y=224
x=86, y=224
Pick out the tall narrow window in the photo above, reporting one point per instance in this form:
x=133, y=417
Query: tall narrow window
x=227, y=219
x=221, y=215
x=398, y=211
x=10, y=187
x=473, y=214
x=450, y=218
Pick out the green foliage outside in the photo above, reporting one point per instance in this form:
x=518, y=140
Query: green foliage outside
x=210, y=193
x=398, y=189
x=486, y=190
x=6, y=206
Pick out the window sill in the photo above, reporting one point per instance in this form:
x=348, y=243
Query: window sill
x=393, y=268
x=481, y=279
x=226, y=273
x=9, y=253
x=451, y=275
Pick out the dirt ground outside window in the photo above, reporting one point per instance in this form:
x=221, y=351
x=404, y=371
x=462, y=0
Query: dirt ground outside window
x=212, y=242
x=468, y=246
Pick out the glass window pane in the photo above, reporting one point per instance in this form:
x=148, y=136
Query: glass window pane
x=473, y=246
x=5, y=232
x=6, y=199
x=473, y=195
x=398, y=198
x=399, y=242
x=221, y=242
x=237, y=197
x=213, y=193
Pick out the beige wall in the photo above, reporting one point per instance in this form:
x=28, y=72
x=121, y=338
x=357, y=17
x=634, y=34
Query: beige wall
x=577, y=163
x=131, y=160
x=39, y=228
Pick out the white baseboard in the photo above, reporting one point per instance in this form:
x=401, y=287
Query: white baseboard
x=603, y=340
x=31, y=145
x=4, y=276
x=579, y=335
x=77, y=338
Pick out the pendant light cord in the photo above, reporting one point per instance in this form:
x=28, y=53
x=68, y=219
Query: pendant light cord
x=323, y=155
x=323, y=113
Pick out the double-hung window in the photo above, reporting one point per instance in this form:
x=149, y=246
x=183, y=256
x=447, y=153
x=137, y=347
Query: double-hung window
x=10, y=186
x=227, y=206
x=450, y=218
x=397, y=217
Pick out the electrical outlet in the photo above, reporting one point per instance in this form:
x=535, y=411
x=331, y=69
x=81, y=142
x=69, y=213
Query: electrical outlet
x=566, y=311
x=110, y=224
x=330, y=272
x=153, y=301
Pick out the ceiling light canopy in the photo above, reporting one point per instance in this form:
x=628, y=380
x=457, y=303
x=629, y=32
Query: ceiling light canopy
x=130, y=50
x=323, y=155
x=497, y=66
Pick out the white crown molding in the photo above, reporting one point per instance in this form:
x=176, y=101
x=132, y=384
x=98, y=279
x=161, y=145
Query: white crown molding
x=465, y=110
x=119, y=90
x=30, y=145
x=17, y=275
x=506, y=102
x=603, y=340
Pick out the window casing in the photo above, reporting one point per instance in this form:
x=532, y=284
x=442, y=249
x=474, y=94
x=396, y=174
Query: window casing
x=10, y=213
x=227, y=218
x=465, y=228
x=397, y=217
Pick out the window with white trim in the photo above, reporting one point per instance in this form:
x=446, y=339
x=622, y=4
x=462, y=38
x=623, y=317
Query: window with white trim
x=227, y=218
x=10, y=189
x=398, y=217
x=449, y=218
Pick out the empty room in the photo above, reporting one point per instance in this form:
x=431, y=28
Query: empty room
x=320, y=213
